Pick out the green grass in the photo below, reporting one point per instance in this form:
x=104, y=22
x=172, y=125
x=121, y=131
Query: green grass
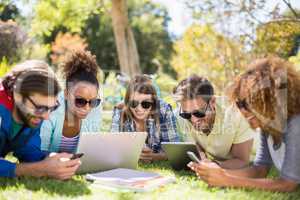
x=187, y=186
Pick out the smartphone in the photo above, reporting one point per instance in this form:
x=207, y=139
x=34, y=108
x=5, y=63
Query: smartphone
x=193, y=157
x=76, y=155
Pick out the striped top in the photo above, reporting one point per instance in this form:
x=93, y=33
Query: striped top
x=68, y=145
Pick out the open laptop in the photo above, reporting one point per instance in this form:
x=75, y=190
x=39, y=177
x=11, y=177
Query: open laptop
x=176, y=153
x=106, y=151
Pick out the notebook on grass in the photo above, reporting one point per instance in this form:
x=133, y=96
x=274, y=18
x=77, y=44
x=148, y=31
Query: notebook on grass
x=122, y=179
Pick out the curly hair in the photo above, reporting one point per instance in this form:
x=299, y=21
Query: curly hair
x=271, y=89
x=81, y=66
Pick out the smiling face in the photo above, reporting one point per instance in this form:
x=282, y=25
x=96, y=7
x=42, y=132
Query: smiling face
x=204, y=124
x=140, y=113
x=25, y=110
x=82, y=90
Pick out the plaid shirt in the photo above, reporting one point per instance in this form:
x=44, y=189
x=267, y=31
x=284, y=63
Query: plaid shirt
x=167, y=130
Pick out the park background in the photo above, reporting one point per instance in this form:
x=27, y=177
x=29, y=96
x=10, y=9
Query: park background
x=167, y=39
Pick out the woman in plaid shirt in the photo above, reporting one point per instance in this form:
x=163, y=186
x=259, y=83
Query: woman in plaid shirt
x=142, y=111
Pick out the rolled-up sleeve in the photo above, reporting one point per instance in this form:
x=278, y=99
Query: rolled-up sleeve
x=263, y=157
x=291, y=164
x=116, y=117
x=7, y=169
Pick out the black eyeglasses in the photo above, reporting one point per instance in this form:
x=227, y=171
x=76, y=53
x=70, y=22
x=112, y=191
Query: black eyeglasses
x=41, y=109
x=242, y=104
x=81, y=102
x=144, y=104
x=196, y=113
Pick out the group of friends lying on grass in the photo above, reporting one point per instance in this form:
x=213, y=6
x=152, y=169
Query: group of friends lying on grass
x=40, y=124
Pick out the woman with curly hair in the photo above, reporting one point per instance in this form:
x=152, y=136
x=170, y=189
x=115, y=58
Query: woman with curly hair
x=79, y=109
x=268, y=96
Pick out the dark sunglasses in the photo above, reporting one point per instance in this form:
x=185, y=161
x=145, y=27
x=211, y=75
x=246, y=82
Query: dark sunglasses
x=81, y=102
x=41, y=109
x=144, y=104
x=196, y=113
x=242, y=104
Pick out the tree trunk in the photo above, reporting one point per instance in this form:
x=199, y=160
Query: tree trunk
x=126, y=46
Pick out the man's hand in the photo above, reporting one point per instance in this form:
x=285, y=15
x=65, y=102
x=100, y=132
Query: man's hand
x=209, y=172
x=58, y=166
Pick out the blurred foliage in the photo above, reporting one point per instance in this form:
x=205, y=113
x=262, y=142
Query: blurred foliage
x=8, y=10
x=92, y=21
x=296, y=60
x=12, y=39
x=207, y=53
x=71, y=14
x=4, y=67
x=278, y=37
x=63, y=45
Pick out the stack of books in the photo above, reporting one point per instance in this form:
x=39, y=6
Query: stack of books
x=122, y=179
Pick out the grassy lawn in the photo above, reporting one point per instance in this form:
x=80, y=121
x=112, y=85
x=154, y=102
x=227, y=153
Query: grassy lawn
x=186, y=187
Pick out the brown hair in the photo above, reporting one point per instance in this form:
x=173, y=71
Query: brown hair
x=29, y=77
x=81, y=66
x=271, y=89
x=141, y=84
x=192, y=87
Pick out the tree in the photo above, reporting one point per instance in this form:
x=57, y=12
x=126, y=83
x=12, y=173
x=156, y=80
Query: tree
x=12, y=39
x=207, y=53
x=125, y=42
x=249, y=15
x=64, y=44
x=277, y=37
x=147, y=20
x=8, y=11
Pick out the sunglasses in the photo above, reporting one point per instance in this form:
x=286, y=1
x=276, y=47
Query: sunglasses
x=41, y=109
x=196, y=113
x=144, y=104
x=81, y=102
x=242, y=104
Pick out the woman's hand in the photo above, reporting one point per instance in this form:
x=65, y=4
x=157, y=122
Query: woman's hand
x=148, y=156
x=210, y=172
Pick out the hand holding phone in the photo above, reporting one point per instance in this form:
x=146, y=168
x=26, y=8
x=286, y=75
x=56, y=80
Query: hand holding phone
x=76, y=155
x=193, y=157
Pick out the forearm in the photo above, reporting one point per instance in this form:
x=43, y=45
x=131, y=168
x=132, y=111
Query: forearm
x=278, y=185
x=249, y=172
x=160, y=156
x=30, y=169
x=233, y=163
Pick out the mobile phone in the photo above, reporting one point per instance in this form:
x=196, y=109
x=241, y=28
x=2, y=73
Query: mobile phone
x=77, y=155
x=193, y=157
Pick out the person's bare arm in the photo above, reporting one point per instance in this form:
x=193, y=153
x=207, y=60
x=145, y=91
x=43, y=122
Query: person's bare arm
x=249, y=177
x=147, y=155
x=58, y=166
x=240, y=155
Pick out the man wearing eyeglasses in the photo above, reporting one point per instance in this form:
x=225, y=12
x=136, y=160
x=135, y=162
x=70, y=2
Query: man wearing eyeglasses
x=218, y=129
x=28, y=95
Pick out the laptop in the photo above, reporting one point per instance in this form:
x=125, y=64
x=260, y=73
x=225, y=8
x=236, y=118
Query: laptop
x=176, y=153
x=106, y=151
